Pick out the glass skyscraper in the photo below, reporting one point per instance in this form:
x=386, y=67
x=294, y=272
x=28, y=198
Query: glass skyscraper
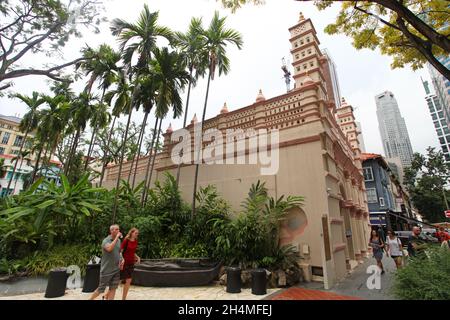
x=394, y=134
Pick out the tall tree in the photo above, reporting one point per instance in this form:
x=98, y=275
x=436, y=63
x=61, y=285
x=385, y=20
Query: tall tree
x=170, y=77
x=81, y=110
x=28, y=123
x=413, y=32
x=137, y=39
x=191, y=45
x=427, y=182
x=122, y=103
x=44, y=26
x=217, y=37
x=99, y=120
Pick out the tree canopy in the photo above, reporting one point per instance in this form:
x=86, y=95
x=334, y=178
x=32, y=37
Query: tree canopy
x=426, y=182
x=41, y=26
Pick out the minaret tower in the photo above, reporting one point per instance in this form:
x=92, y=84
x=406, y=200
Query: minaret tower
x=306, y=55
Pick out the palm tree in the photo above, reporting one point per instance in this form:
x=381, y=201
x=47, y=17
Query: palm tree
x=217, y=36
x=82, y=110
x=52, y=125
x=145, y=97
x=170, y=77
x=122, y=95
x=28, y=123
x=100, y=119
x=192, y=46
x=100, y=64
x=138, y=38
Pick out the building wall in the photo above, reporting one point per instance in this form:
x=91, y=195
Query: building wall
x=442, y=87
x=10, y=136
x=316, y=160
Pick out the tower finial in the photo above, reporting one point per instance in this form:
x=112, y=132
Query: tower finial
x=301, y=17
x=194, y=119
x=169, y=129
x=224, y=109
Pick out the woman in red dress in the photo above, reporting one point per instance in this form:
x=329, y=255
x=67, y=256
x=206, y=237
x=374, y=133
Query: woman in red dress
x=129, y=259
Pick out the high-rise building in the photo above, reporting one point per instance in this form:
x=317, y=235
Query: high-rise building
x=362, y=145
x=437, y=112
x=331, y=78
x=394, y=134
x=442, y=87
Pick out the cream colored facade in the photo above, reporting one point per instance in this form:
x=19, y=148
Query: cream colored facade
x=10, y=135
x=319, y=158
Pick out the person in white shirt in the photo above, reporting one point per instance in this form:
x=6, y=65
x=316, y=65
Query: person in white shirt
x=394, y=248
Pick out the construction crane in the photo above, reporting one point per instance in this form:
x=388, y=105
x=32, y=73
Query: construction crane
x=287, y=75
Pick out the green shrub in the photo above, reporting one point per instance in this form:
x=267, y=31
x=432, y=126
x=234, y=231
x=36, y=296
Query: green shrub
x=41, y=262
x=425, y=278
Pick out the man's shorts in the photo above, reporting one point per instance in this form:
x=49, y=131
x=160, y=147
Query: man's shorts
x=110, y=280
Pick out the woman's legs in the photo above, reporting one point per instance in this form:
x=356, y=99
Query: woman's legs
x=126, y=288
x=398, y=262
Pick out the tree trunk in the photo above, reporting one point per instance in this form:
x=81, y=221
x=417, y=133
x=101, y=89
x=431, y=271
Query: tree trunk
x=20, y=153
x=201, y=144
x=153, y=160
x=417, y=23
x=144, y=124
x=86, y=163
x=20, y=168
x=105, y=156
x=144, y=196
x=185, y=120
x=122, y=155
x=72, y=151
x=36, y=166
x=94, y=132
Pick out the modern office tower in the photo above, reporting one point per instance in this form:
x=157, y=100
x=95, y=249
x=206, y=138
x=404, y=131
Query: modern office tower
x=331, y=78
x=362, y=145
x=394, y=134
x=442, y=87
x=438, y=116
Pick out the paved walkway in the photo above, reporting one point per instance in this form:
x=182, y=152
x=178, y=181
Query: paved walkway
x=213, y=292
x=353, y=287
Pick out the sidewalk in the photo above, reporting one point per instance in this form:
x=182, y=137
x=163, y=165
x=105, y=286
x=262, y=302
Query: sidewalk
x=353, y=287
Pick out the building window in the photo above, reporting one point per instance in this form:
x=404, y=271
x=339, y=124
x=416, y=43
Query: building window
x=368, y=174
x=297, y=56
x=5, y=139
x=18, y=141
x=439, y=132
x=382, y=204
x=372, y=195
x=2, y=150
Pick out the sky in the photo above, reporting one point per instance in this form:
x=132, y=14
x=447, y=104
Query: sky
x=362, y=73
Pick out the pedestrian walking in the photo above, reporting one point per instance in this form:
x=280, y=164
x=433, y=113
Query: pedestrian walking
x=377, y=245
x=394, y=248
x=130, y=258
x=416, y=244
x=110, y=264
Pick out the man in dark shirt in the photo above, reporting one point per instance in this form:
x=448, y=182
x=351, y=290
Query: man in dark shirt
x=416, y=244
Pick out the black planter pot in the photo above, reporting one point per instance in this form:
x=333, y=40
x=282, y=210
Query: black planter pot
x=259, y=282
x=57, y=281
x=92, y=278
x=234, y=282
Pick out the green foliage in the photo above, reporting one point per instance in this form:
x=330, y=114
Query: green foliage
x=425, y=180
x=253, y=235
x=50, y=226
x=41, y=262
x=425, y=278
